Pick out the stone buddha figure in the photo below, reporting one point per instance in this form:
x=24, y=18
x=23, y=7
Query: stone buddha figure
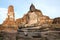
x=32, y=15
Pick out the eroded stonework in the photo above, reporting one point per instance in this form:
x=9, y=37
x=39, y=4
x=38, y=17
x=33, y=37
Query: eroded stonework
x=10, y=20
x=35, y=16
x=32, y=17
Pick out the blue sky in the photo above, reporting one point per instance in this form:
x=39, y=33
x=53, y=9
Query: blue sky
x=50, y=8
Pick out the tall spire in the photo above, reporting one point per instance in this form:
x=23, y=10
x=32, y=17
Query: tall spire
x=10, y=9
x=11, y=13
x=10, y=20
x=32, y=8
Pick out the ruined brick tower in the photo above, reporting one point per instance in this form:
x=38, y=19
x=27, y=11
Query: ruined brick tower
x=10, y=14
x=10, y=20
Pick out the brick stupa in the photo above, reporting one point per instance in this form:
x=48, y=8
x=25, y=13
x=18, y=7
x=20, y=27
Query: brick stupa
x=10, y=20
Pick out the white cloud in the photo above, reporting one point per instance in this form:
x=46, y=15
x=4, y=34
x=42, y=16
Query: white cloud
x=3, y=14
